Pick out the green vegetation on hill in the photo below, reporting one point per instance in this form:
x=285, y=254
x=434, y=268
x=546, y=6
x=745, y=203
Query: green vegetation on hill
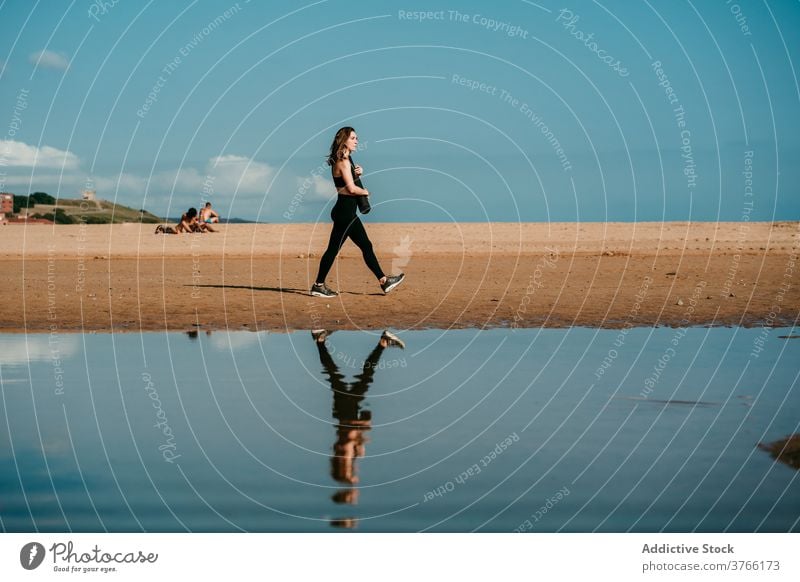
x=21, y=202
x=59, y=217
x=72, y=211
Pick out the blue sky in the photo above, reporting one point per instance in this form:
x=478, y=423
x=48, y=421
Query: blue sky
x=509, y=111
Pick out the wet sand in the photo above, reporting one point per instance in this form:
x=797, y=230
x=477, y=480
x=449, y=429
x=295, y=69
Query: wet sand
x=256, y=277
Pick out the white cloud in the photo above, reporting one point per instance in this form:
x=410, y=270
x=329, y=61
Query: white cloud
x=67, y=186
x=228, y=341
x=19, y=350
x=316, y=187
x=17, y=153
x=239, y=174
x=125, y=183
x=49, y=60
x=227, y=175
x=40, y=180
x=183, y=180
x=324, y=188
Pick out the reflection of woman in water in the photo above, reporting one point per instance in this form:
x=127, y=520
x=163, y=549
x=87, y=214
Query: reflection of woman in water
x=352, y=422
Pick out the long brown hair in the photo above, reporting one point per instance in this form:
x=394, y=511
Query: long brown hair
x=338, y=146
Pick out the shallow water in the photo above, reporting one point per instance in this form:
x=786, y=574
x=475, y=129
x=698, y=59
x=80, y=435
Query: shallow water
x=497, y=430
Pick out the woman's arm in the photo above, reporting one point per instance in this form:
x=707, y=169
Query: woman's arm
x=344, y=169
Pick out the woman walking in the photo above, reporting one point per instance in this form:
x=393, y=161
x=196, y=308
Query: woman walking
x=345, y=222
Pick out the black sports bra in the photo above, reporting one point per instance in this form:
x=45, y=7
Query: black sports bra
x=339, y=182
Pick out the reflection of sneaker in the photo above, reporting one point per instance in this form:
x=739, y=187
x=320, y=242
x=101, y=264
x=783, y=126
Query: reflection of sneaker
x=392, y=282
x=320, y=335
x=322, y=290
x=392, y=340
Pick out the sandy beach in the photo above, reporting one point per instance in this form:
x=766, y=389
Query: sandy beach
x=257, y=276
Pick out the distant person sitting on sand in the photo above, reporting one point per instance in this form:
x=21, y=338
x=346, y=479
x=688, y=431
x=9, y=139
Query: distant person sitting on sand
x=187, y=223
x=208, y=215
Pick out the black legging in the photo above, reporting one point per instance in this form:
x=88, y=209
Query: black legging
x=347, y=396
x=347, y=224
